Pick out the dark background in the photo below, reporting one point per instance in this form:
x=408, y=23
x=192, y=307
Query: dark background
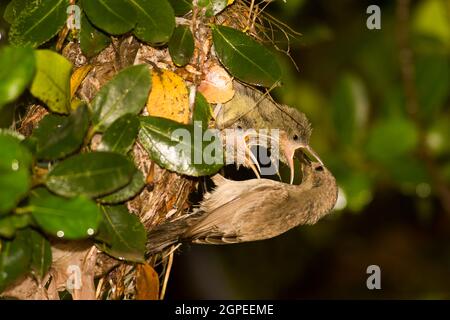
x=384, y=136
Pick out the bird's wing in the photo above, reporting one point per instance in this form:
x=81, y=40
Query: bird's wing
x=228, y=223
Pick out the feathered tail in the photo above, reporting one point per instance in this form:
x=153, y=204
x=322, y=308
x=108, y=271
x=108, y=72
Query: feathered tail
x=169, y=233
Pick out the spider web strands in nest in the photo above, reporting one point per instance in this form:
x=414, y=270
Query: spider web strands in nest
x=250, y=16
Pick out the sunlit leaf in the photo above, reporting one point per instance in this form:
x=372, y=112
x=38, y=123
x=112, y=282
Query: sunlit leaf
x=245, y=58
x=126, y=93
x=169, y=97
x=52, y=81
x=77, y=78
x=17, y=67
x=113, y=16
x=92, y=174
x=74, y=218
x=431, y=18
x=126, y=234
x=15, y=180
x=181, y=46
x=185, y=149
x=155, y=21
x=38, y=22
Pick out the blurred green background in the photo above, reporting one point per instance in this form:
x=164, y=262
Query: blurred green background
x=379, y=104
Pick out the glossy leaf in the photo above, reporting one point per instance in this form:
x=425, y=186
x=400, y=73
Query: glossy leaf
x=17, y=67
x=202, y=110
x=113, y=16
x=171, y=145
x=181, y=46
x=58, y=136
x=213, y=7
x=245, y=58
x=15, y=258
x=38, y=22
x=181, y=7
x=126, y=93
x=129, y=191
x=92, y=40
x=41, y=256
x=74, y=218
x=155, y=21
x=121, y=135
x=52, y=81
x=91, y=174
x=9, y=224
x=15, y=180
x=126, y=234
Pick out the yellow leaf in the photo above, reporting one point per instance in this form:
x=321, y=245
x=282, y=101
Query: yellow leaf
x=147, y=283
x=77, y=77
x=169, y=97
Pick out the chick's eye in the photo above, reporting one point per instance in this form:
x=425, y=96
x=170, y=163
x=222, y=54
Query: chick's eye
x=319, y=168
x=295, y=137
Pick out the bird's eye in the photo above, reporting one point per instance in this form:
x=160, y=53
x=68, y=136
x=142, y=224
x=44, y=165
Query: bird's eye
x=295, y=137
x=319, y=168
x=239, y=127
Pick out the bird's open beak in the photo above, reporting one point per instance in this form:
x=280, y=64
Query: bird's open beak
x=288, y=147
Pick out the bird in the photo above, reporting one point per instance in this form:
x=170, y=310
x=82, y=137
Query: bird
x=251, y=210
x=251, y=109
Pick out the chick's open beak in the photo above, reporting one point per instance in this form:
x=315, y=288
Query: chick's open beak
x=289, y=147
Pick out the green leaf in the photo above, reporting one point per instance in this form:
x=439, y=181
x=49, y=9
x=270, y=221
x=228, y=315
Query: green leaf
x=113, y=16
x=392, y=138
x=92, y=174
x=74, y=218
x=431, y=18
x=17, y=67
x=92, y=40
x=350, y=109
x=41, y=257
x=129, y=191
x=15, y=180
x=181, y=148
x=181, y=46
x=432, y=81
x=245, y=58
x=126, y=234
x=126, y=93
x=155, y=21
x=181, y=7
x=9, y=224
x=58, y=136
x=13, y=9
x=15, y=258
x=202, y=110
x=121, y=135
x=38, y=22
x=213, y=7
x=52, y=81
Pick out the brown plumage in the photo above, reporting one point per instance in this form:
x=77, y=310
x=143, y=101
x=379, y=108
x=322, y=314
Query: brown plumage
x=256, y=209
